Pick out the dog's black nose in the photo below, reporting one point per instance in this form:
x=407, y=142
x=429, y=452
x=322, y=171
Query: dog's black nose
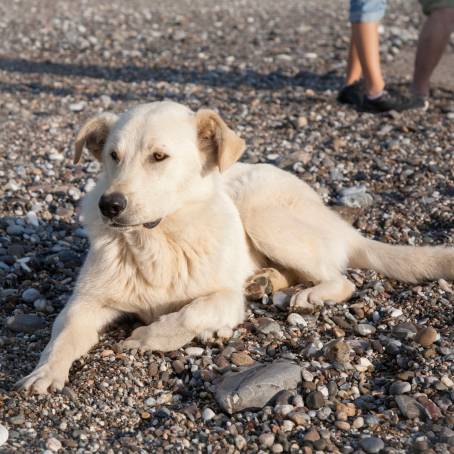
x=112, y=205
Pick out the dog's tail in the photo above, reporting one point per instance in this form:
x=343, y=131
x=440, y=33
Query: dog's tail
x=404, y=263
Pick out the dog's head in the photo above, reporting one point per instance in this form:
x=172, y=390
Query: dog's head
x=156, y=157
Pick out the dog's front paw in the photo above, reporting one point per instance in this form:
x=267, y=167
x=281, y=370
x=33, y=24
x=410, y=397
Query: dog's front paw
x=306, y=300
x=44, y=379
x=158, y=337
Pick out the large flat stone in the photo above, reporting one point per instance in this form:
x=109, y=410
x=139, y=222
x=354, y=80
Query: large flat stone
x=253, y=387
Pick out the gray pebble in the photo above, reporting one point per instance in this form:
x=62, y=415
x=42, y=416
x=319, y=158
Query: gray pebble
x=27, y=323
x=364, y=329
x=30, y=295
x=399, y=387
x=371, y=444
x=315, y=400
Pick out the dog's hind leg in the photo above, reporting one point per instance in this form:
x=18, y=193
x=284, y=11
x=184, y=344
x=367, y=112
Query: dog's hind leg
x=314, y=250
x=218, y=312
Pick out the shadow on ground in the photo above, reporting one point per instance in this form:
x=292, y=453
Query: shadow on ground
x=132, y=73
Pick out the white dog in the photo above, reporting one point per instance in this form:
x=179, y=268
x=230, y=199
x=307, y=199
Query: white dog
x=176, y=228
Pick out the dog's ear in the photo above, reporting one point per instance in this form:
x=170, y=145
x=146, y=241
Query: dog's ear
x=220, y=145
x=93, y=135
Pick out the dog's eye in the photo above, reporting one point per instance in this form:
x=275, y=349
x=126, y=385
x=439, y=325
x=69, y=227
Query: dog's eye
x=114, y=156
x=159, y=156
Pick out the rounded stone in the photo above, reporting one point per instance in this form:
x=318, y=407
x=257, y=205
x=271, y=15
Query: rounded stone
x=53, y=444
x=30, y=295
x=311, y=435
x=267, y=439
x=364, y=329
x=358, y=422
x=342, y=425
x=295, y=319
x=426, y=336
x=371, y=444
x=178, y=366
x=338, y=351
x=315, y=400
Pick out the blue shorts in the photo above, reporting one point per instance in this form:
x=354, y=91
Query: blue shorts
x=367, y=10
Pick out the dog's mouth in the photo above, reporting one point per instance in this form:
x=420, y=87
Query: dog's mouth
x=147, y=225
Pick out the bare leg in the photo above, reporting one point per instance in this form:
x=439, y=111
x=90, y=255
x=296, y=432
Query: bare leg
x=354, y=71
x=365, y=39
x=74, y=332
x=433, y=40
x=219, y=312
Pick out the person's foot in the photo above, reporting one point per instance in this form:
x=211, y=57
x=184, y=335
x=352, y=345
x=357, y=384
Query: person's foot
x=387, y=102
x=416, y=102
x=351, y=94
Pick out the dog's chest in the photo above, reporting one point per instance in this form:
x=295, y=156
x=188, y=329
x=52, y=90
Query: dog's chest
x=158, y=277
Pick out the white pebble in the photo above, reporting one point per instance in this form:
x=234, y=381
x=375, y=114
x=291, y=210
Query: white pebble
x=3, y=435
x=295, y=319
x=287, y=425
x=208, y=414
x=194, y=351
x=53, y=444
x=298, y=401
x=396, y=313
x=77, y=106
x=89, y=185
x=324, y=390
x=32, y=219
x=445, y=286
x=363, y=365
x=447, y=381
x=307, y=376
x=283, y=409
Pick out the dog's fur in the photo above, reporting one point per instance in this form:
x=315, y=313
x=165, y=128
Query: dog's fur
x=221, y=222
